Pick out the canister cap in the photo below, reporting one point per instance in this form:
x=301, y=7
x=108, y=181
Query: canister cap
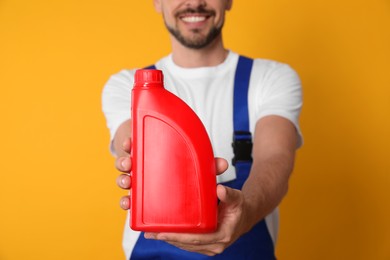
x=148, y=76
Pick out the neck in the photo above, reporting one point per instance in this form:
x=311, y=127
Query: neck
x=211, y=55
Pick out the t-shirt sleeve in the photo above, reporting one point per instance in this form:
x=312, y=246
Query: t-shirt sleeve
x=279, y=92
x=116, y=100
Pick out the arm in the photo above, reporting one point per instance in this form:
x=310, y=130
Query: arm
x=274, y=147
x=273, y=153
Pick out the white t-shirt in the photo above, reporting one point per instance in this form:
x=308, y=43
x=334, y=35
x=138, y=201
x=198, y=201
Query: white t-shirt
x=274, y=89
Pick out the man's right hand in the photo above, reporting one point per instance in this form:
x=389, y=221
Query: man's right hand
x=123, y=164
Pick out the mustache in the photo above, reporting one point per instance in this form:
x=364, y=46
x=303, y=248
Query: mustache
x=198, y=10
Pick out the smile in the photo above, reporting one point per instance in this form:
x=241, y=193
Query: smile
x=193, y=19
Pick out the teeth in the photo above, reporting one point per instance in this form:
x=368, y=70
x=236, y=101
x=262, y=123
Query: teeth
x=193, y=19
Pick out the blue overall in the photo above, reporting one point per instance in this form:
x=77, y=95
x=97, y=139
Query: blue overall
x=257, y=243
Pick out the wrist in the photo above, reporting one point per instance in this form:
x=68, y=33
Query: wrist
x=251, y=214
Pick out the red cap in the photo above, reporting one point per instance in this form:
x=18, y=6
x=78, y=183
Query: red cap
x=148, y=76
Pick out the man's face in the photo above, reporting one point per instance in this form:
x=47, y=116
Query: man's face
x=194, y=23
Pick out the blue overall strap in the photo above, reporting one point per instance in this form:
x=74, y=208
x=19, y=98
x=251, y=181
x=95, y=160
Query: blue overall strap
x=151, y=67
x=240, y=100
x=242, y=138
x=255, y=244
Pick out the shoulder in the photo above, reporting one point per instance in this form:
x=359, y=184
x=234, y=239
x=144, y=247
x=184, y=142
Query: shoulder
x=271, y=79
x=125, y=77
x=122, y=77
x=266, y=72
x=267, y=68
x=120, y=82
x=272, y=68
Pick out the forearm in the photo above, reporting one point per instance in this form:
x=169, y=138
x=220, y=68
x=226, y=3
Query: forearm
x=273, y=154
x=266, y=186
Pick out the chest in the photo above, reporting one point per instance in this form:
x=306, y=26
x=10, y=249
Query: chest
x=210, y=97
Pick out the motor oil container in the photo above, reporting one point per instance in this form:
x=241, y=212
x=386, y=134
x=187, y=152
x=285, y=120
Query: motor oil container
x=173, y=168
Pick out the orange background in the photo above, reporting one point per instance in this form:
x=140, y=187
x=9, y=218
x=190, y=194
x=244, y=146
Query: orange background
x=58, y=197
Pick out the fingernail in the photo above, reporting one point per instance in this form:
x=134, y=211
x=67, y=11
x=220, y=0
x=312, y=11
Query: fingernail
x=124, y=181
x=124, y=204
x=125, y=164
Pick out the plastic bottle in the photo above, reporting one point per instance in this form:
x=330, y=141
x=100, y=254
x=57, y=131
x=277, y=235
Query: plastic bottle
x=173, y=167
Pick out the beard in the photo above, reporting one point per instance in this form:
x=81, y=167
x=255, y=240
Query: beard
x=197, y=40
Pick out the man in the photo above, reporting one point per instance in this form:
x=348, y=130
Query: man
x=202, y=71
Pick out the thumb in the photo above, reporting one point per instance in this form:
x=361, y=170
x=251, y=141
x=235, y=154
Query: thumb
x=126, y=145
x=228, y=195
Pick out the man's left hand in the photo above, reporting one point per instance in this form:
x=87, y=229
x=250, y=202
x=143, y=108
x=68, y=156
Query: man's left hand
x=231, y=225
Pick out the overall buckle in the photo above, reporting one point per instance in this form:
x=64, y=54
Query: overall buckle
x=242, y=147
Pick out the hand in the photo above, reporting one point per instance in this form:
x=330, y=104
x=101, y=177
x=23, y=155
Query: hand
x=123, y=164
x=231, y=225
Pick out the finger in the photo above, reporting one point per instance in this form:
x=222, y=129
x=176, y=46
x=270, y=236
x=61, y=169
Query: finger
x=221, y=165
x=183, y=238
x=202, y=249
x=123, y=164
x=125, y=202
x=124, y=181
x=209, y=249
x=127, y=145
x=228, y=195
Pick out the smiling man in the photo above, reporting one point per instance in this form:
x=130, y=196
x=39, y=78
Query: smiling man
x=252, y=103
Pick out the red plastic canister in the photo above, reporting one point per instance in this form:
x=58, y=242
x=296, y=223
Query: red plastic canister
x=173, y=168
